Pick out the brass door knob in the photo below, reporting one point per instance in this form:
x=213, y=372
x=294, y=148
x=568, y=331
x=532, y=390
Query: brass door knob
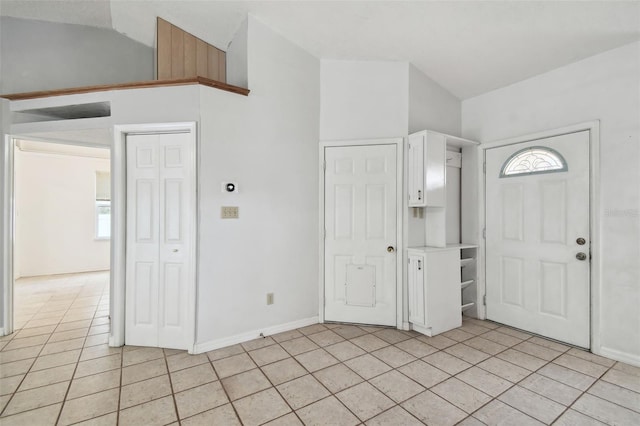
x=391, y=249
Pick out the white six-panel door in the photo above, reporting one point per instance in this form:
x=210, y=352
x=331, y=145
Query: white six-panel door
x=159, y=271
x=360, y=228
x=534, y=279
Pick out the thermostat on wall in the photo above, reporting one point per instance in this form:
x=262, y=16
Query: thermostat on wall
x=229, y=187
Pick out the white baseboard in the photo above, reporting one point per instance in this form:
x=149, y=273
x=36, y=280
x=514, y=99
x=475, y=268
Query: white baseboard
x=199, y=348
x=2, y=332
x=617, y=355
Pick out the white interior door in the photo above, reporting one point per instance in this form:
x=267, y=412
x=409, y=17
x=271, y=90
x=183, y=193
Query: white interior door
x=360, y=234
x=160, y=207
x=537, y=217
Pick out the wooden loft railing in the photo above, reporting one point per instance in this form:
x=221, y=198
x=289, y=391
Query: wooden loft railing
x=183, y=55
x=182, y=59
x=125, y=86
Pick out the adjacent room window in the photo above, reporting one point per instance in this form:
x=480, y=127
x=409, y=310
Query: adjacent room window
x=534, y=160
x=103, y=205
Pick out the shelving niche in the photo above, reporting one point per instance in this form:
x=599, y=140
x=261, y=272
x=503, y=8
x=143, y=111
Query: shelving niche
x=443, y=231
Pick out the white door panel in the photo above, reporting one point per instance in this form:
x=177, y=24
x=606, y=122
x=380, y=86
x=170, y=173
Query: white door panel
x=160, y=203
x=534, y=280
x=360, y=222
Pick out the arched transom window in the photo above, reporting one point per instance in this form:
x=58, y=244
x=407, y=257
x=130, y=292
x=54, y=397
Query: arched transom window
x=534, y=160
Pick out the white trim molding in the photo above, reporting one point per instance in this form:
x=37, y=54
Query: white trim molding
x=625, y=357
x=400, y=219
x=595, y=223
x=8, y=234
x=250, y=335
x=118, y=227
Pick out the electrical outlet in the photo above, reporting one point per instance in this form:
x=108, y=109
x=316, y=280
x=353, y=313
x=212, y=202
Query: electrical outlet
x=229, y=212
x=269, y=298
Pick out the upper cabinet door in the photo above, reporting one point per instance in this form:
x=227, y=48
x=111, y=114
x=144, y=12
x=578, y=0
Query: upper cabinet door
x=427, y=167
x=435, y=168
x=416, y=169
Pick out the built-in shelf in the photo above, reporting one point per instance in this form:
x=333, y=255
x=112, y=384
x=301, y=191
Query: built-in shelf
x=467, y=306
x=458, y=246
x=467, y=261
x=125, y=86
x=466, y=284
x=468, y=276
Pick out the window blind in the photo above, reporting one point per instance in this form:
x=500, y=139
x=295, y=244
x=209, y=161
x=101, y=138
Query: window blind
x=103, y=186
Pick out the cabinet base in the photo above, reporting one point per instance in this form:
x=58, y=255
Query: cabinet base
x=422, y=330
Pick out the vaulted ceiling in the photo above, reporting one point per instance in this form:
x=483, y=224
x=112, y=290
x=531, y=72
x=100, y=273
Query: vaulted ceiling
x=468, y=47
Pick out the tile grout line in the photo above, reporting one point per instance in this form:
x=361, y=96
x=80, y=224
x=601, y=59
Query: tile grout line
x=173, y=395
x=366, y=352
x=64, y=400
x=215, y=371
x=395, y=404
x=586, y=391
x=309, y=373
x=119, y=385
x=29, y=371
x=567, y=407
x=513, y=385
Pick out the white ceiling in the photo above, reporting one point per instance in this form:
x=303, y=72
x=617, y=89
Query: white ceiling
x=468, y=47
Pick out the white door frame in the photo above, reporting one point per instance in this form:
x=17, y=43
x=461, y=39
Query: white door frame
x=594, y=211
x=8, y=233
x=8, y=226
x=400, y=258
x=119, y=221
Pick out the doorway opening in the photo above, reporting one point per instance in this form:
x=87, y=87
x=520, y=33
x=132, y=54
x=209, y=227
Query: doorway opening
x=60, y=268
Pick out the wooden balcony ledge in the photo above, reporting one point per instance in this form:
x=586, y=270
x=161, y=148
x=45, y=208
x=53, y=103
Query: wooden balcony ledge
x=124, y=86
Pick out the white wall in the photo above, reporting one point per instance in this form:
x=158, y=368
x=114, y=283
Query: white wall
x=237, y=67
x=375, y=99
x=55, y=214
x=431, y=106
x=363, y=99
x=39, y=55
x=605, y=87
x=267, y=143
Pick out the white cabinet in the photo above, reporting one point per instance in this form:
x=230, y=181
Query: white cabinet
x=427, y=166
x=416, y=288
x=434, y=289
x=442, y=184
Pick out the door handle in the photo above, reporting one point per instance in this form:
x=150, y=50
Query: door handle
x=391, y=249
x=581, y=256
x=581, y=241
x=175, y=250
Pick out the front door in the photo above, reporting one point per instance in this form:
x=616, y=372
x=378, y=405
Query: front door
x=537, y=237
x=360, y=234
x=160, y=207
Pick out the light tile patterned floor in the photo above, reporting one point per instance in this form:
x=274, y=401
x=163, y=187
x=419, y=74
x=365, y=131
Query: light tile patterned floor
x=58, y=369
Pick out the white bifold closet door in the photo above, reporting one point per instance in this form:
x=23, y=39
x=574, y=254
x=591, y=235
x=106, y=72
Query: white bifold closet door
x=160, y=211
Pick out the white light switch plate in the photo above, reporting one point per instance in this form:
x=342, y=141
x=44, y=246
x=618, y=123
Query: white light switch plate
x=229, y=212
